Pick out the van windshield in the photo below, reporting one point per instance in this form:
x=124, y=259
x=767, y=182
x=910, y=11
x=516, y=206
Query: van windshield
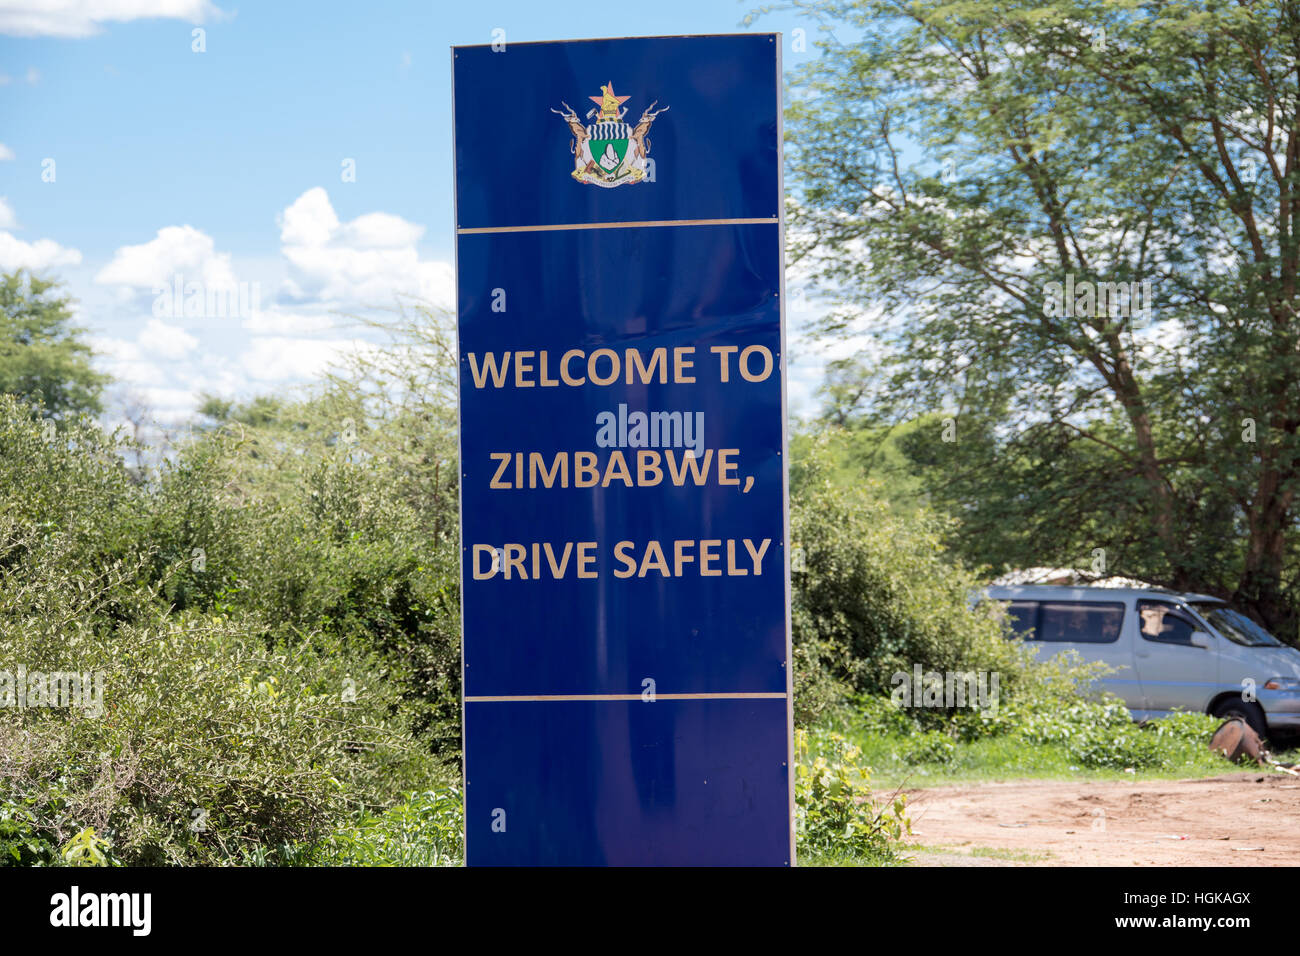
x=1235, y=626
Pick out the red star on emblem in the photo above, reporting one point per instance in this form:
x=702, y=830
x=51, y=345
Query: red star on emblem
x=608, y=90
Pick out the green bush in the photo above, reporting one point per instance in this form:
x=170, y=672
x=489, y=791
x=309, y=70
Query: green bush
x=87, y=848
x=426, y=829
x=874, y=595
x=879, y=715
x=322, y=542
x=1102, y=734
x=930, y=746
x=1057, y=705
x=219, y=730
x=23, y=839
x=837, y=818
x=208, y=743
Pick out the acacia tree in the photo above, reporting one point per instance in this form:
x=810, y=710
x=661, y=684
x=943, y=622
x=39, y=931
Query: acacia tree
x=973, y=179
x=43, y=358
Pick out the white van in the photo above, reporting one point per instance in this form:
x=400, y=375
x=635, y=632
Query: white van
x=1168, y=651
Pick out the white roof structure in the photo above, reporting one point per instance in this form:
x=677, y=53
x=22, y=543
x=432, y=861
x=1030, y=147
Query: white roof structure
x=1067, y=577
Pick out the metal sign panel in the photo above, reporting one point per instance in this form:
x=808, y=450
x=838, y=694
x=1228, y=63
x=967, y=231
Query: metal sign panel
x=625, y=571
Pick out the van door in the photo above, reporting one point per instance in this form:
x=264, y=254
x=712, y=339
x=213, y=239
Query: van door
x=1095, y=630
x=1176, y=673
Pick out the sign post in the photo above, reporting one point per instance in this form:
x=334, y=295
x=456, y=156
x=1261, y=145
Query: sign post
x=624, y=512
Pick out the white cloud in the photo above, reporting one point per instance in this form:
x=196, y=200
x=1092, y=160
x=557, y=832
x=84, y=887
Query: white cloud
x=309, y=220
x=279, y=321
x=366, y=262
x=169, y=404
x=33, y=76
x=166, y=407
x=133, y=360
x=167, y=341
x=176, y=250
x=79, y=18
x=5, y=152
x=7, y=218
x=38, y=255
x=329, y=268
x=380, y=230
x=125, y=361
x=273, y=358
x=151, y=366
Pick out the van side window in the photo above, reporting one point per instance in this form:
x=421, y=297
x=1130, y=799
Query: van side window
x=1165, y=623
x=1023, y=616
x=1081, y=622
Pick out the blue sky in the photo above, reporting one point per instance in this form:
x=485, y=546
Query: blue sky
x=227, y=166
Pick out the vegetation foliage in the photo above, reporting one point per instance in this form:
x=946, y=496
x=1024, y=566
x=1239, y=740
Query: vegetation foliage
x=957, y=167
x=273, y=612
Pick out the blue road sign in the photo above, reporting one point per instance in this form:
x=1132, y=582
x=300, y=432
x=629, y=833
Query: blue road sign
x=625, y=569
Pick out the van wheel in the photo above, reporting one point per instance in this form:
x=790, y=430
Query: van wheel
x=1249, y=711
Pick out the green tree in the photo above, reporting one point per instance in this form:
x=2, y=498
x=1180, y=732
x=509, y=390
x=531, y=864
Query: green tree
x=218, y=714
x=43, y=359
x=961, y=166
x=336, y=513
x=873, y=592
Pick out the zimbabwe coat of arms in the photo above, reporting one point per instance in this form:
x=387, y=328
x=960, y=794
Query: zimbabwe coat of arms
x=609, y=152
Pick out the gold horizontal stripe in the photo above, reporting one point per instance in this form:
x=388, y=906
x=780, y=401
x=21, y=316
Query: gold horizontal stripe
x=525, y=697
x=649, y=223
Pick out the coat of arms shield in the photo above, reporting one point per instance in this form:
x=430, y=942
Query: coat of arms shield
x=608, y=151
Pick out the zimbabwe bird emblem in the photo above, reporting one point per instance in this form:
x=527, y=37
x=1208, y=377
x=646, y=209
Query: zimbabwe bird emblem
x=609, y=152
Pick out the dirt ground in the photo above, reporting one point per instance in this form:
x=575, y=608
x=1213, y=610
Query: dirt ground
x=1237, y=820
